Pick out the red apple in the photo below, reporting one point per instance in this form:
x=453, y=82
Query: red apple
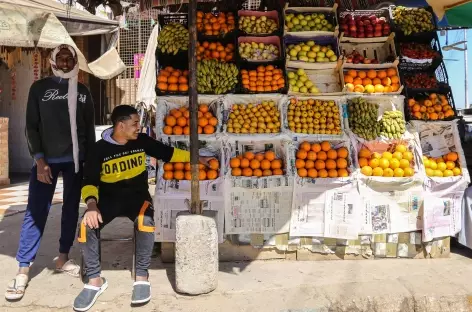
x=386, y=32
x=373, y=19
x=344, y=27
x=360, y=35
x=369, y=34
x=349, y=60
x=377, y=33
x=367, y=22
x=353, y=28
x=378, y=27
x=374, y=61
x=369, y=28
x=357, y=19
x=367, y=61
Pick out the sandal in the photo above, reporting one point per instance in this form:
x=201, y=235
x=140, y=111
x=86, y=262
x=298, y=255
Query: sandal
x=141, y=292
x=87, y=297
x=71, y=268
x=16, y=287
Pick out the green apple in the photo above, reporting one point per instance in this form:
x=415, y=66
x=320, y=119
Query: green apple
x=303, y=22
x=305, y=48
x=321, y=16
x=320, y=59
x=330, y=53
x=301, y=53
x=318, y=26
x=311, y=24
x=309, y=84
x=304, y=89
x=324, y=22
x=333, y=58
x=321, y=54
x=316, y=48
x=303, y=79
x=290, y=25
x=324, y=49
x=310, y=43
x=295, y=89
x=303, y=58
x=295, y=21
x=292, y=82
x=311, y=54
x=291, y=75
x=300, y=84
x=314, y=90
x=301, y=72
x=311, y=60
x=293, y=52
x=317, y=21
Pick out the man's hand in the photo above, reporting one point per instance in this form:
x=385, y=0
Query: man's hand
x=204, y=160
x=92, y=217
x=44, y=174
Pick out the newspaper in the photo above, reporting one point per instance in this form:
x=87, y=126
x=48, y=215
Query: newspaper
x=391, y=211
x=308, y=214
x=258, y=211
x=437, y=140
x=167, y=209
x=442, y=216
x=341, y=218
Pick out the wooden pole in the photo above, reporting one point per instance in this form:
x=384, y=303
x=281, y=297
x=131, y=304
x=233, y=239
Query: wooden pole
x=193, y=107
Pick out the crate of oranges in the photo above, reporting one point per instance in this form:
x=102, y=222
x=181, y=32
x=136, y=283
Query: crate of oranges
x=257, y=159
x=207, y=50
x=431, y=106
x=174, y=118
x=326, y=159
x=252, y=114
x=176, y=177
x=396, y=160
x=263, y=78
x=172, y=81
x=358, y=79
x=215, y=24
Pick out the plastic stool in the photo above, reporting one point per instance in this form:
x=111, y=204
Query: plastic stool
x=100, y=240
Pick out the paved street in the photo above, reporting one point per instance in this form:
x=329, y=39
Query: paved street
x=401, y=285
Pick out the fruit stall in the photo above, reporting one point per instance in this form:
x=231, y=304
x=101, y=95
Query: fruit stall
x=334, y=132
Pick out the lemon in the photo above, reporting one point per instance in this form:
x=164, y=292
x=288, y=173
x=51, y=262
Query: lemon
x=442, y=166
x=404, y=163
x=429, y=172
x=384, y=163
x=438, y=173
x=388, y=172
x=409, y=172
x=433, y=165
x=367, y=171
x=376, y=155
x=387, y=155
x=457, y=171
x=394, y=163
x=398, y=172
x=397, y=155
x=426, y=163
x=408, y=156
x=401, y=148
x=378, y=172
x=448, y=173
x=374, y=163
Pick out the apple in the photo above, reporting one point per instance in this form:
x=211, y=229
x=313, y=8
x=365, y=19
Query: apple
x=377, y=33
x=369, y=34
x=369, y=28
x=353, y=28
x=348, y=17
x=367, y=22
x=367, y=61
x=360, y=35
x=382, y=20
x=374, y=61
x=378, y=27
x=358, y=18
x=373, y=19
x=351, y=22
x=344, y=27
x=359, y=23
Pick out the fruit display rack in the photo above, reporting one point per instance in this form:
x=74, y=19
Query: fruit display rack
x=426, y=80
x=430, y=106
x=311, y=21
x=412, y=21
x=419, y=53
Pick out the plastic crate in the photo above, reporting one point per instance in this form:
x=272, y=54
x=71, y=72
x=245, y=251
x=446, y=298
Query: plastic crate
x=409, y=64
x=329, y=13
x=261, y=5
x=311, y=3
x=252, y=66
x=399, y=32
x=421, y=95
x=440, y=73
x=215, y=8
x=379, y=13
x=165, y=19
x=164, y=59
x=181, y=66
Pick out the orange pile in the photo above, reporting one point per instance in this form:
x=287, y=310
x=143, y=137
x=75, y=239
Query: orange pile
x=181, y=171
x=435, y=107
x=372, y=81
x=320, y=160
x=215, y=24
x=178, y=121
x=256, y=165
x=215, y=50
x=263, y=79
x=170, y=79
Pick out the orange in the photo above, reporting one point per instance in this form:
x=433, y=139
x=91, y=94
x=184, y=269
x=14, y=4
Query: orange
x=302, y=172
x=255, y=164
x=357, y=81
x=365, y=153
x=249, y=155
x=343, y=173
x=305, y=146
x=391, y=72
x=330, y=164
x=319, y=164
x=178, y=166
x=177, y=130
x=236, y=172
x=363, y=162
x=311, y=155
x=322, y=173
x=202, y=175
x=162, y=86
x=381, y=74
x=361, y=74
x=321, y=155
x=315, y=147
x=325, y=146
x=186, y=130
x=203, y=108
x=257, y=172
x=179, y=175
x=181, y=121
x=371, y=74
x=208, y=129
x=168, y=167
x=342, y=152
x=202, y=122
x=265, y=164
x=341, y=163
x=366, y=81
x=266, y=173
x=168, y=175
x=376, y=81
x=212, y=174
x=302, y=154
x=332, y=154
x=309, y=164
x=259, y=156
x=214, y=164
x=170, y=121
x=235, y=162
x=269, y=155
x=299, y=163
x=452, y=156
x=167, y=130
x=276, y=164
x=312, y=173
x=173, y=79
x=348, y=79
x=352, y=73
x=333, y=173
x=247, y=172
x=386, y=81
x=187, y=166
x=244, y=163
x=277, y=172
x=213, y=121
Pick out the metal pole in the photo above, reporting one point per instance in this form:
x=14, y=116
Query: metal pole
x=193, y=107
x=466, y=69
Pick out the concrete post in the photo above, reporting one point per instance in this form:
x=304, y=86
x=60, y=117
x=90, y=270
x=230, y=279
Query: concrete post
x=196, y=253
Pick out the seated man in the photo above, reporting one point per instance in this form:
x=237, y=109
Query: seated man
x=116, y=184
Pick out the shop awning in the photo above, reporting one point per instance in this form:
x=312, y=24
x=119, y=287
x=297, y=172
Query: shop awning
x=33, y=25
x=457, y=13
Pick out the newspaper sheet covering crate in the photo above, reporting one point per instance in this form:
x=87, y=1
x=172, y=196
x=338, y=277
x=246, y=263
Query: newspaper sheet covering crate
x=167, y=207
x=443, y=199
x=207, y=187
x=258, y=204
x=166, y=103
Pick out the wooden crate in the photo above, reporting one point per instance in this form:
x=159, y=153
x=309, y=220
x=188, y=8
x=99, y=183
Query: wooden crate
x=373, y=50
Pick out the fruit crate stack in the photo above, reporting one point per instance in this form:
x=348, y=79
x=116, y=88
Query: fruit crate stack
x=312, y=54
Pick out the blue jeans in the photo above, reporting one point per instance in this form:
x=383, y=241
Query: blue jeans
x=39, y=203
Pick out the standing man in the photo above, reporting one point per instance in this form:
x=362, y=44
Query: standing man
x=116, y=184
x=60, y=129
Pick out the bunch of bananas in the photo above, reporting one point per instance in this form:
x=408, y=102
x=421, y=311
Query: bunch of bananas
x=173, y=38
x=216, y=77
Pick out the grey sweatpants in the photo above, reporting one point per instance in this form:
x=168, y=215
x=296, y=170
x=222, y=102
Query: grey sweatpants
x=142, y=214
